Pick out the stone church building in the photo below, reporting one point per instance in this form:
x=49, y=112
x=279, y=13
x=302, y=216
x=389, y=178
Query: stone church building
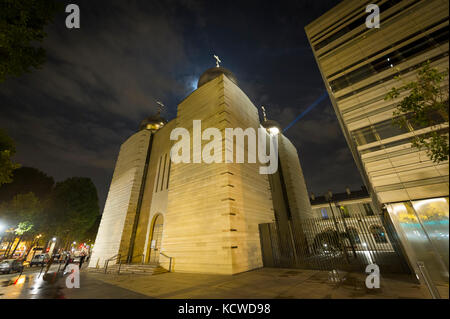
x=198, y=217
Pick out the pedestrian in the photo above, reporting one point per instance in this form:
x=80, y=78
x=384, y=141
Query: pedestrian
x=49, y=264
x=82, y=259
x=67, y=262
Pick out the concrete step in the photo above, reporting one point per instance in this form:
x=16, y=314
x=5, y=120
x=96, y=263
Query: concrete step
x=131, y=269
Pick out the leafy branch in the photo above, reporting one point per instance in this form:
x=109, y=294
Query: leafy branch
x=426, y=105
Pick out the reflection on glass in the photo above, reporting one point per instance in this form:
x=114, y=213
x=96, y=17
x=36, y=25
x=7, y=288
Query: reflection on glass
x=433, y=214
x=415, y=238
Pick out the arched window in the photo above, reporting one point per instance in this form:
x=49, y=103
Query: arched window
x=378, y=234
x=353, y=234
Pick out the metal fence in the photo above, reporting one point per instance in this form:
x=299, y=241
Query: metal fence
x=337, y=243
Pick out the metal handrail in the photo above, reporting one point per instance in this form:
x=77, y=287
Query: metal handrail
x=428, y=281
x=110, y=259
x=170, y=260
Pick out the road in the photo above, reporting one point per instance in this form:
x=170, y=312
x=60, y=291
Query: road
x=30, y=284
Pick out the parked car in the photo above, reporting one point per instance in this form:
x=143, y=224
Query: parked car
x=8, y=266
x=39, y=260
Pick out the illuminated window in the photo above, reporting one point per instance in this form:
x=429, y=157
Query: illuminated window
x=378, y=234
x=344, y=211
x=353, y=234
x=368, y=209
x=153, y=126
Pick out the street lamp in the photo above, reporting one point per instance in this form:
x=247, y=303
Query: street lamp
x=272, y=127
x=274, y=130
x=54, y=238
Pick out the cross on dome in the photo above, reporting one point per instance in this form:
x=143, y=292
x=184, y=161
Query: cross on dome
x=217, y=60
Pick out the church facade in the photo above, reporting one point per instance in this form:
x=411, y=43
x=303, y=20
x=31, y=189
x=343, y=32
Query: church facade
x=198, y=217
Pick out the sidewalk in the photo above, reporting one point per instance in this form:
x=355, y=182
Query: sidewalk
x=266, y=283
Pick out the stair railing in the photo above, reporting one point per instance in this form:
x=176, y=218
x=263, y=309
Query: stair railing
x=170, y=260
x=111, y=259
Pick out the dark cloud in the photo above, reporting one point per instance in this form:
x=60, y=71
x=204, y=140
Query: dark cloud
x=70, y=117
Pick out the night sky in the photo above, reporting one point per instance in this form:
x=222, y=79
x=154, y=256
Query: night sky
x=70, y=117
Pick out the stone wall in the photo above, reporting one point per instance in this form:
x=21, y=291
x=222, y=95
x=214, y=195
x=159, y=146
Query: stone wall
x=211, y=225
x=115, y=228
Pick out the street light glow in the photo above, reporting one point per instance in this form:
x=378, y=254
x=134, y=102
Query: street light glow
x=274, y=130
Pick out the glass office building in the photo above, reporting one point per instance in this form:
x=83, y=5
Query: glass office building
x=359, y=66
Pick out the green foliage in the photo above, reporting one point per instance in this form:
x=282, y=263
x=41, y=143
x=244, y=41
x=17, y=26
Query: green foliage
x=73, y=207
x=426, y=105
x=91, y=233
x=23, y=207
x=25, y=180
x=22, y=25
x=70, y=212
x=23, y=228
x=7, y=151
x=24, y=212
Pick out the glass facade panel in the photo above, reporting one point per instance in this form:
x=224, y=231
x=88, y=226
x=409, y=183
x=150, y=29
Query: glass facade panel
x=416, y=240
x=353, y=25
x=433, y=215
x=387, y=129
x=364, y=136
x=388, y=61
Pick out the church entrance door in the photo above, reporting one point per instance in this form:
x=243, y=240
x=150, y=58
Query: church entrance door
x=155, y=243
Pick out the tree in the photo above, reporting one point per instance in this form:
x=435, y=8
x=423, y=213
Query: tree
x=73, y=208
x=24, y=213
x=21, y=28
x=22, y=208
x=22, y=229
x=91, y=233
x=7, y=151
x=426, y=105
x=25, y=180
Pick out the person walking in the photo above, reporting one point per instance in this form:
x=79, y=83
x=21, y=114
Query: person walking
x=82, y=257
x=49, y=264
x=67, y=262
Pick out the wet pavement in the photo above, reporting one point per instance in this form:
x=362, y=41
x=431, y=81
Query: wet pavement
x=34, y=284
x=266, y=283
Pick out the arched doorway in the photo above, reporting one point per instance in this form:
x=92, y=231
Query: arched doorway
x=155, y=242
